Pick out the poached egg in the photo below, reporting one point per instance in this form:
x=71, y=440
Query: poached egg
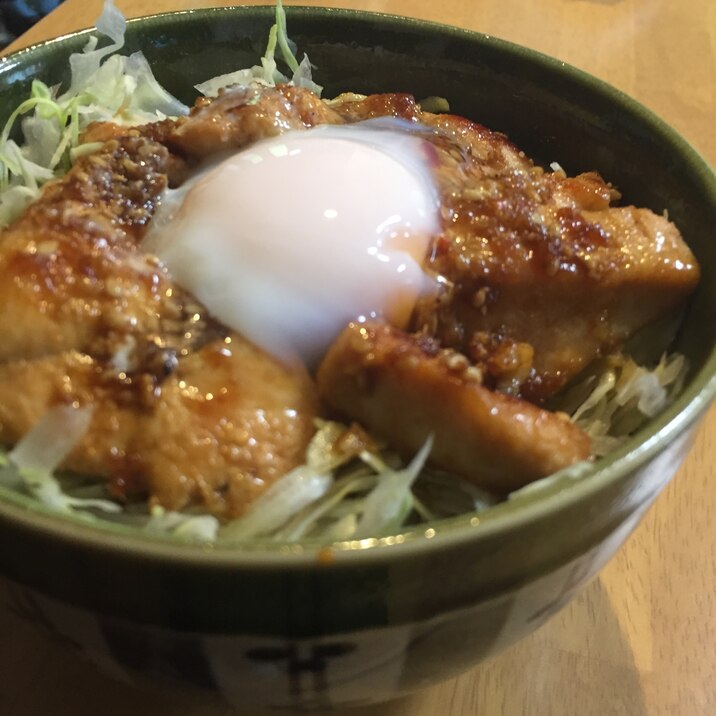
x=293, y=237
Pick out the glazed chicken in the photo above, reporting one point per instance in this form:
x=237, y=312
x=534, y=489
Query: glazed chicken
x=407, y=387
x=539, y=274
x=184, y=411
x=535, y=275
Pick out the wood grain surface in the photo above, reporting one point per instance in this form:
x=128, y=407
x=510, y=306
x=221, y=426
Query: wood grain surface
x=642, y=638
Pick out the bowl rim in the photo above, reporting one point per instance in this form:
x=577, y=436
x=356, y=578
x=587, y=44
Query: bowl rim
x=691, y=404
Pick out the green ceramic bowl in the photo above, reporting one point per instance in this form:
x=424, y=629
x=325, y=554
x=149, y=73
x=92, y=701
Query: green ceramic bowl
x=278, y=625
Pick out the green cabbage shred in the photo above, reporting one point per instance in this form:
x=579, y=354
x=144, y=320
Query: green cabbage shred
x=267, y=73
x=104, y=86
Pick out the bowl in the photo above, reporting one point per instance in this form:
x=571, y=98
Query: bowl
x=284, y=625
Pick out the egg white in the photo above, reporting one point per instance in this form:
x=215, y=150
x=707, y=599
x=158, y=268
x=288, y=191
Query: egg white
x=290, y=239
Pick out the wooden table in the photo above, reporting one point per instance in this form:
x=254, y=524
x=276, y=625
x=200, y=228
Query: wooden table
x=642, y=638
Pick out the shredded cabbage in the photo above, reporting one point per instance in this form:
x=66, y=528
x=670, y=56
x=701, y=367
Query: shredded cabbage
x=280, y=502
x=622, y=395
x=196, y=528
x=390, y=502
x=436, y=105
x=51, y=440
x=107, y=86
x=103, y=86
x=370, y=500
x=31, y=465
x=267, y=73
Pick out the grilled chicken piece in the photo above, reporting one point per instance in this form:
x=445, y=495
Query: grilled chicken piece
x=244, y=115
x=539, y=261
x=405, y=388
x=542, y=275
x=176, y=168
x=232, y=422
x=222, y=427
x=88, y=317
x=74, y=277
x=236, y=118
x=29, y=388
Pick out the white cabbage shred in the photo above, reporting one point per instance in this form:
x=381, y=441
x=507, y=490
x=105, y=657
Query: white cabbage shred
x=614, y=401
x=104, y=85
x=267, y=73
x=370, y=500
x=621, y=396
x=30, y=466
x=195, y=528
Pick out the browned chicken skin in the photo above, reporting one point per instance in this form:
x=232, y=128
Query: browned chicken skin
x=538, y=276
x=243, y=116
